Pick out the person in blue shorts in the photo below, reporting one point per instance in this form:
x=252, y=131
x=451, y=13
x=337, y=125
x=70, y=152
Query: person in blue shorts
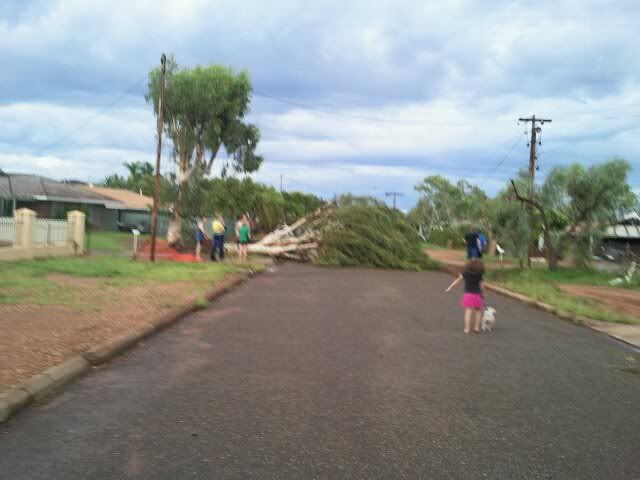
x=200, y=236
x=472, y=241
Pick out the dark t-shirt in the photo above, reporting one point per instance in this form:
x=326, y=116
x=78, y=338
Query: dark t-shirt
x=472, y=240
x=472, y=282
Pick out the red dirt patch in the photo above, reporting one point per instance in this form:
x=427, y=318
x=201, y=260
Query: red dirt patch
x=619, y=300
x=165, y=252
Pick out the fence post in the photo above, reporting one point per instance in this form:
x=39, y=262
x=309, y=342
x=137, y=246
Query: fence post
x=75, y=230
x=23, y=219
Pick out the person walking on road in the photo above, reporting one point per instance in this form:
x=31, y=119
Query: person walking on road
x=472, y=298
x=472, y=241
x=243, y=234
x=201, y=235
x=218, y=238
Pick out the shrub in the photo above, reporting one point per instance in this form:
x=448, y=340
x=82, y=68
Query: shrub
x=442, y=237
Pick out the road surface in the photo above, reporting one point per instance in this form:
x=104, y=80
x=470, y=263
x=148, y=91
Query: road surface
x=316, y=373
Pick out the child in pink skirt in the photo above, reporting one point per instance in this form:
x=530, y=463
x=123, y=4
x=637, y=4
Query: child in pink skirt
x=472, y=298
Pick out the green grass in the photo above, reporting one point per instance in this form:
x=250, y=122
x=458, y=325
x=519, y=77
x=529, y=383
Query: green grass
x=26, y=281
x=112, y=242
x=542, y=285
x=563, y=275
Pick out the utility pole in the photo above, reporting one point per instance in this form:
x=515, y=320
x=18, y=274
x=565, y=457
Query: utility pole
x=394, y=195
x=532, y=172
x=281, y=189
x=156, y=178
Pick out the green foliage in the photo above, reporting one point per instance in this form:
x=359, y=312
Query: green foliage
x=229, y=196
x=139, y=179
x=446, y=236
x=364, y=232
x=589, y=199
x=232, y=197
x=443, y=204
x=510, y=226
x=204, y=110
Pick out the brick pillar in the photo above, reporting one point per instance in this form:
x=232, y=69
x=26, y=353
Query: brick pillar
x=75, y=230
x=23, y=230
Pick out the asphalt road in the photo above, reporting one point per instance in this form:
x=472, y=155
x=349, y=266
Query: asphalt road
x=316, y=373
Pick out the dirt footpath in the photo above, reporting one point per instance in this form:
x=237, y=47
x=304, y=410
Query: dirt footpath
x=626, y=302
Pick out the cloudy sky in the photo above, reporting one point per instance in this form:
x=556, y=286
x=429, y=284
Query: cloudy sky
x=366, y=97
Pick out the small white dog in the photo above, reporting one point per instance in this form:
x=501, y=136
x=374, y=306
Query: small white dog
x=488, y=319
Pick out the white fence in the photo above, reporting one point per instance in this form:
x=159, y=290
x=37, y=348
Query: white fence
x=49, y=232
x=45, y=232
x=6, y=230
x=25, y=236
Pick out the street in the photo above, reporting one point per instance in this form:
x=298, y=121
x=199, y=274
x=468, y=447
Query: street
x=306, y=372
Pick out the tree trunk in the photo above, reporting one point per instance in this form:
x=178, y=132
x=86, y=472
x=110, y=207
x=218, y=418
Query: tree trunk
x=174, y=231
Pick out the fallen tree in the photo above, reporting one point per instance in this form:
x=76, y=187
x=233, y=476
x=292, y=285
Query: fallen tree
x=360, y=233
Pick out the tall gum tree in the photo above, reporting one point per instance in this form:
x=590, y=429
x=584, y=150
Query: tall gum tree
x=204, y=111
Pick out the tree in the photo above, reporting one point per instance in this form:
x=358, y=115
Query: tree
x=140, y=178
x=443, y=204
x=590, y=199
x=550, y=248
x=510, y=226
x=204, y=110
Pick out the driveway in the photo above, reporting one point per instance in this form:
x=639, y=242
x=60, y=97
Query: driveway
x=317, y=373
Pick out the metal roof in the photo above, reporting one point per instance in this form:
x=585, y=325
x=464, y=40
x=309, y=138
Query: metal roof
x=132, y=200
x=32, y=187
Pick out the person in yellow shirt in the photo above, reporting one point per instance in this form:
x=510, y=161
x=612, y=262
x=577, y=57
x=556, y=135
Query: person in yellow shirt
x=217, y=242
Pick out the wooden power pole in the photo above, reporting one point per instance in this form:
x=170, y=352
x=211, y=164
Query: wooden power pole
x=156, y=178
x=394, y=195
x=532, y=172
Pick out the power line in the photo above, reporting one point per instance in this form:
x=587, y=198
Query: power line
x=90, y=119
x=342, y=113
x=499, y=164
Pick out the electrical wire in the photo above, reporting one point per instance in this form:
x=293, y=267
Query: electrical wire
x=340, y=113
x=90, y=119
x=499, y=164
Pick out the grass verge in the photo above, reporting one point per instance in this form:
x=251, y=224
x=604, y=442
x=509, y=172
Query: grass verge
x=542, y=285
x=30, y=281
x=120, y=243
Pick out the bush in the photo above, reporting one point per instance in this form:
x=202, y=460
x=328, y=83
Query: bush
x=442, y=237
x=367, y=233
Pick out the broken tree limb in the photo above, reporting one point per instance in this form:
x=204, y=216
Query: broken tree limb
x=550, y=251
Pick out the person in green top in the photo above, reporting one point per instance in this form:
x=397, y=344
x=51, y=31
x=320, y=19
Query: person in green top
x=243, y=233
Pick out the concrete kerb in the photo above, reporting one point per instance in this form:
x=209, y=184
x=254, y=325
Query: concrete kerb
x=576, y=319
x=44, y=385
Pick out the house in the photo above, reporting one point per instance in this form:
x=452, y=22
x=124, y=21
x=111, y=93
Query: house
x=623, y=237
x=106, y=208
x=134, y=214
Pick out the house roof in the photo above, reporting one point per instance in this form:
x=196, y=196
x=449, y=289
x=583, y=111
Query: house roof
x=623, y=231
x=33, y=187
x=131, y=200
x=626, y=228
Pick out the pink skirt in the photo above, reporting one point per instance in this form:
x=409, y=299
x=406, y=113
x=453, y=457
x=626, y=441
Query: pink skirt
x=472, y=300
